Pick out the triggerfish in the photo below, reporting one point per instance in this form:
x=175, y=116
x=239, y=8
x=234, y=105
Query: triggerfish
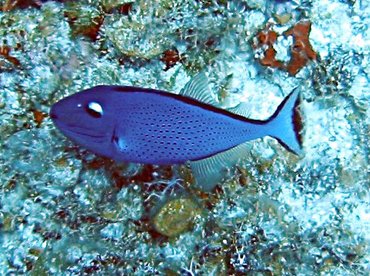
x=148, y=126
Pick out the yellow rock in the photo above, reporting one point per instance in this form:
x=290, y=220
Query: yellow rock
x=176, y=216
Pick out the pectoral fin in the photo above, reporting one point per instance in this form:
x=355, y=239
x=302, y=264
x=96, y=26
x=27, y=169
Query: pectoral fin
x=120, y=144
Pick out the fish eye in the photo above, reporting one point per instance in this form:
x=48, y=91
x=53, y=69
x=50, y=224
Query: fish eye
x=94, y=109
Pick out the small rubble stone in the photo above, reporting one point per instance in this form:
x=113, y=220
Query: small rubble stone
x=176, y=216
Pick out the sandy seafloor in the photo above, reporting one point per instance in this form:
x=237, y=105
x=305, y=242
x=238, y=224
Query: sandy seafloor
x=65, y=211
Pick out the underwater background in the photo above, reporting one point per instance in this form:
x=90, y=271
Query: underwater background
x=65, y=211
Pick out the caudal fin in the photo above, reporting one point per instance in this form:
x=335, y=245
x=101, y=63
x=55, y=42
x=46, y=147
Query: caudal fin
x=286, y=125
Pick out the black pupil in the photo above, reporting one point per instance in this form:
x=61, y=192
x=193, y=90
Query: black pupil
x=92, y=112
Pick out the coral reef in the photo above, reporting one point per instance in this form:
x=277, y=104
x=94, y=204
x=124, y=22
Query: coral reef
x=66, y=211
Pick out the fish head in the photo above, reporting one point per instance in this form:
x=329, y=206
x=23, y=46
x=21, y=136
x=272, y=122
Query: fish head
x=88, y=118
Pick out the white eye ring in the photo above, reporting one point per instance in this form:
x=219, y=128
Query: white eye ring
x=94, y=109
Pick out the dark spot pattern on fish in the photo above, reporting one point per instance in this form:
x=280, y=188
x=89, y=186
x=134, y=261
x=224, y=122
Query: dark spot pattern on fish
x=150, y=126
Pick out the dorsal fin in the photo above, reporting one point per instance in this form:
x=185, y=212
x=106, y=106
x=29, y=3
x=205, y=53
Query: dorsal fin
x=242, y=109
x=210, y=171
x=197, y=88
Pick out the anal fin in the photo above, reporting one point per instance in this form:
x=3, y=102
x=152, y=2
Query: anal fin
x=210, y=171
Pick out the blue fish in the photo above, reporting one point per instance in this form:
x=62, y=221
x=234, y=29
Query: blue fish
x=132, y=124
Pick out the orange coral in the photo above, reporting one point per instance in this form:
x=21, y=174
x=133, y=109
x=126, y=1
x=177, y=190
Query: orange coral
x=10, y=5
x=268, y=37
x=170, y=58
x=39, y=117
x=5, y=52
x=270, y=60
x=301, y=51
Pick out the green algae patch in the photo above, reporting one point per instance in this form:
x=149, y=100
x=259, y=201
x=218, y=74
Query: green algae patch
x=176, y=216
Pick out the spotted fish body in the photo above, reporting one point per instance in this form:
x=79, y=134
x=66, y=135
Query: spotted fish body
x=169, y=129
x=155, y=127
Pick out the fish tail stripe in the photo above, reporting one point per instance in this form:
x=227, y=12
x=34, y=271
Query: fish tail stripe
x=286, y=125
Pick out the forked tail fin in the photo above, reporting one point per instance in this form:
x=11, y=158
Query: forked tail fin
x=286, y=125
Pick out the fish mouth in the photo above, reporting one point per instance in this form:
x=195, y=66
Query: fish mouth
x=84, y=132
x=52, y=113
x=74, y=132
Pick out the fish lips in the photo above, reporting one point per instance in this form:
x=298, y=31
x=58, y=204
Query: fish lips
x=77, y=133
x=53, y=114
